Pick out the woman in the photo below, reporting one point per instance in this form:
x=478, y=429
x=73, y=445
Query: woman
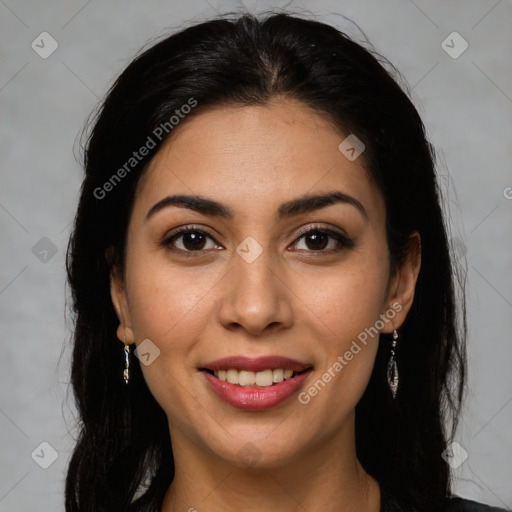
x=260, y=227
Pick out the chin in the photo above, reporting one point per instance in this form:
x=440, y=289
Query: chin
x=259, y=451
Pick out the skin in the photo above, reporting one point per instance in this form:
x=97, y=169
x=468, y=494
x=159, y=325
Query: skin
x=289, y=301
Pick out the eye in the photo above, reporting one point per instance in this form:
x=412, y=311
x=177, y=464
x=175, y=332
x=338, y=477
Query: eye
x=316, y=240
x=189, y=241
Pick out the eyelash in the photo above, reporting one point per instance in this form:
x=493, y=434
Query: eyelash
x=344, y=242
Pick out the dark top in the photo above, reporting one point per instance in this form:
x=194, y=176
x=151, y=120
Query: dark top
x=388, y=504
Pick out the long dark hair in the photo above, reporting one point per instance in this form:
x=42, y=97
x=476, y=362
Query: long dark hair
x=123, y=458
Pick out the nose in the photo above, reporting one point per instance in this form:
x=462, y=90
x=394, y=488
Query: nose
x=256, y=297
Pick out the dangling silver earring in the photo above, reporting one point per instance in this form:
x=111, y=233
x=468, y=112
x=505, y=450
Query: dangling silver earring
x=126, y=373
x=392, y=367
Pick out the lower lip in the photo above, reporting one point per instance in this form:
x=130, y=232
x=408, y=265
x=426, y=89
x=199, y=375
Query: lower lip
x=255, y=398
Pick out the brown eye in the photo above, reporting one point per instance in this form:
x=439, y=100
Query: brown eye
x=189, y=240
x=317, y=240
x=193, y=241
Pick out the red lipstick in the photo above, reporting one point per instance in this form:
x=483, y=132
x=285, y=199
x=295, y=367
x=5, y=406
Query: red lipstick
x=255, y=398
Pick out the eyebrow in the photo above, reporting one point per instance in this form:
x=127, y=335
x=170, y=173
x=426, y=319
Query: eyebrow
x=212, y=208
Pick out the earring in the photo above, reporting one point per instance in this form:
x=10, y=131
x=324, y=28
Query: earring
x=392, y=367
x=126, y=373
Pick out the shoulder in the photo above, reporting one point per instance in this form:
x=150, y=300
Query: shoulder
x=457, y=504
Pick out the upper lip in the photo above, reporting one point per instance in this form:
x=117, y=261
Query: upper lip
x=256, y=364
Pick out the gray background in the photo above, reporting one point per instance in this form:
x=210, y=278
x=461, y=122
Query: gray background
x=466, y=104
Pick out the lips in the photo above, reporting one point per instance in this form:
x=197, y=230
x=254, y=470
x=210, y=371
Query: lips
x=257, y=364
x=255, y=398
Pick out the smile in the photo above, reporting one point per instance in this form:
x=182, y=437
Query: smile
x=255, y=384
x=262, y=379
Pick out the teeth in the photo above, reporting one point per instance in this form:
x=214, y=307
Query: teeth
x=246, y=378
x=261, y=379
x=232, y=376
x=278, y=375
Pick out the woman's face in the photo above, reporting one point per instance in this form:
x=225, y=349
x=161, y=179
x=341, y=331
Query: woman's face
x=246, y=282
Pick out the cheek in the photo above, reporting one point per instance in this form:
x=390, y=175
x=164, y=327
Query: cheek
x=172, y=307
x=346, y=300
x=169, y=309
x=344, y=315
x=166, y=303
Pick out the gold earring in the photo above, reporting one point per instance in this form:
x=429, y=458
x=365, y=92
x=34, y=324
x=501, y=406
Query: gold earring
x=126, y=373
x=392, y=367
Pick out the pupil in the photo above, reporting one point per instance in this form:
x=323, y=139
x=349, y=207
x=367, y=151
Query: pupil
x=193, y=241
x=316, y=237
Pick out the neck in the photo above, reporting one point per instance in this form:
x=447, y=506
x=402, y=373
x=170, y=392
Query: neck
x=325, y=477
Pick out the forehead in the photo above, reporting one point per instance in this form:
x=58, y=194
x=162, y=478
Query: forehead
x=253, y=156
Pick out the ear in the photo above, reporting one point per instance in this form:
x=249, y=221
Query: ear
x=402, y=285
x=120, y=303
